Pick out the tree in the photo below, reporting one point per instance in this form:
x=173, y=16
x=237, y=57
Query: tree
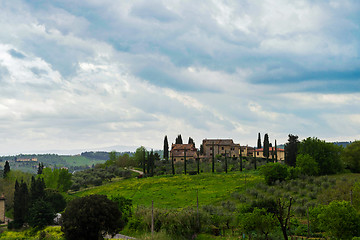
x=191, y=141
x=259, y=142
x=259, y=221
x=291, y=149
x=327, y=155
x=351, y=156
x=201, y=149
x=55, y=199
x=266, y=147
x=40, y=168
x=283, y=214
x=21, y=204
x=178, y=140
x=151, y=162
x=185, y=161
x=37, y=189
x=41, y=214
x=124, y=206
x=90, y=217
x=6, y=169
x=338, y=219
x=274, y=172
x=166, y=148
x=307, y=165
x=276, y=157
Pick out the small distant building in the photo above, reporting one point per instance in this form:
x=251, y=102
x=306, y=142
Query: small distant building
x=219, y=147
x=2, y=208
x=179, y=151
x=26, y=160
x=280, y=153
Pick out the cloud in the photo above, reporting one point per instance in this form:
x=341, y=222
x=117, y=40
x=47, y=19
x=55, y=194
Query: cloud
x=88, y=73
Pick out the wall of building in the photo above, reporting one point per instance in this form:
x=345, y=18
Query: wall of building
x=2, y=210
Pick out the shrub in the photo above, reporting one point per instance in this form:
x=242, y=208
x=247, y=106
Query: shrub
x=273, y=172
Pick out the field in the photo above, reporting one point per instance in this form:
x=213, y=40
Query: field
x=80, y=161
x=178, y=191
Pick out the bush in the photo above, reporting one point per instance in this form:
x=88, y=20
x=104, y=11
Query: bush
x=273, y=172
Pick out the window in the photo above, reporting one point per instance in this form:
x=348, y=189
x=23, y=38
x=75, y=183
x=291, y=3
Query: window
x=222, y=148
x=210, y=148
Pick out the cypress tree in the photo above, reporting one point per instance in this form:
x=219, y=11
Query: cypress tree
x=144, y=161
x=276, y=157
x=198, y=163
x=254, y=158
x=266, y=147
x=148, y=163
x=178, y=140
x=291, y=149
x=166, y=148
x=240, y=158
x=40, y=168
x=6, y=169
x=152, y=163
x=172, y=164
x=191, y=141
x=21, y=203
x=259, y=142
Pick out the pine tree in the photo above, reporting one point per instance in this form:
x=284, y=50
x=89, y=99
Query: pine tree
x=6, y=169
x=166, y=148
x=178, y=140
x=266, y=147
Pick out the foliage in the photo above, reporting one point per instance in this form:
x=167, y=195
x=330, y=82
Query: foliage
x=327, y=155
x=41, y=214
x=259, y=221
x=273, y=172
x=259, y=141
x=351, y=156
x=55, y=199
x=339, y=219
x=291, y=150
x=166, y=149
x=178, y=139
x=58, y=179
x=307, y=165
x=6, y=169
x=51, y=233
x=266, y=146
x=124, y=206
x=90, y=217
x=21, y=203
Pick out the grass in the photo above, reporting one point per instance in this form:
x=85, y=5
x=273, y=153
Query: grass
x=178, y=191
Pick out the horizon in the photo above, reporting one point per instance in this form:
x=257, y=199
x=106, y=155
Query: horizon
x=89, y=75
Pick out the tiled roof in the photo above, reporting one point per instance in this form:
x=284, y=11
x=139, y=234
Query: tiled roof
x=219, y=142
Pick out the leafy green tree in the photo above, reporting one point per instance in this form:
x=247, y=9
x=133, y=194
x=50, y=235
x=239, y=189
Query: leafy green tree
x=55, y=199
x=90, y=217
x=327, y=155
x=6, y=169
x=273, y=172
x=166, y=148
x=266, y=147
x=124, y=206
x=339, y=219
x=307, y=164
x=139, y=156
x=64, y=182
x=291, y=150
x=351, y=156
x=259, y=221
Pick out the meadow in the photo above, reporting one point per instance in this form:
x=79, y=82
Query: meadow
x=178, y=191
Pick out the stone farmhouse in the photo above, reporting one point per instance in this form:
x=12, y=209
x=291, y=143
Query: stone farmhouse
x=220, y=147
x=280, y=153
x=180, y=151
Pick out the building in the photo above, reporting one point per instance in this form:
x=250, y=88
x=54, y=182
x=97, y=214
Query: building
x=2, y=209
x=247, y=151
x=25, y=159
x=219, y=147
x=179, y=151
x=280, y=153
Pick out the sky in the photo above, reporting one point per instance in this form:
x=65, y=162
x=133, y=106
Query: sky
x=95, y=75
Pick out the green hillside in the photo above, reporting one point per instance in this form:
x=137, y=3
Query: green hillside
x=180, y=190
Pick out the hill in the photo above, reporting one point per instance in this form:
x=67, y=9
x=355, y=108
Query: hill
x=178, y=191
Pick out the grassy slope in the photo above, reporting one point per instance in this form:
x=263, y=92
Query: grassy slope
x=178, y=191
